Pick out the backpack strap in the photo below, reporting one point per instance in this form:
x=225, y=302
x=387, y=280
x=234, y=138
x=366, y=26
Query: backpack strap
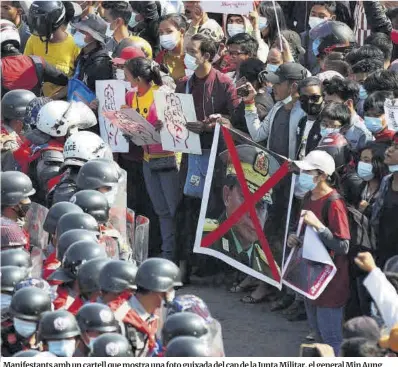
x=325, y=210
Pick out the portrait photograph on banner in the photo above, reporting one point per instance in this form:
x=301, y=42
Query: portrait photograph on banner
x=175, y=110
x=237, y=202
x=111, y=96
x=133, y=125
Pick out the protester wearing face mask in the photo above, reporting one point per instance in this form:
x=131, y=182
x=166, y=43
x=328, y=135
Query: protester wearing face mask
x=93, y=62
x=371, y=169
x=274, y=59
x=325, y=314
x=172, y=28
x=375, y=118
x=311, y=100
x=347, y=92
x=58, y=331
x=385, y=208
x=94, y=319
x=27, y=305
x=270, y=15
x=117, y=14
x=320, y=12
x=155, y=279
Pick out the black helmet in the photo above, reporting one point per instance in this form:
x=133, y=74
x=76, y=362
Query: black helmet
x=77, y=221
x=12, y=236
x=98, y=173
x=94, y=203
x=10, y=276
x=15, y=257
x=88, y=276
x=186, y=346
x=77, y=254
x=183, y=324
x=158, y=275
x=97, y=317
x=27, y=353
x=56, y=212
x=57, y=325
x=15, y=186
x=45, y=17
x=70, y=237
x=332, y=36
x=29, y=303
x=111, y=345
x=14, y=103
x=338, y=147
x=117, y=276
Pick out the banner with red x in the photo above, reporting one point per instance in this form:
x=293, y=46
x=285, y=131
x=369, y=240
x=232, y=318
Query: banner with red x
x=237, y=235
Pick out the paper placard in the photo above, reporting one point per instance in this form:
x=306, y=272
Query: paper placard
x=391, y=113
x=111, y=96
x=175, y=110
x=227, y=7
x=131, y=123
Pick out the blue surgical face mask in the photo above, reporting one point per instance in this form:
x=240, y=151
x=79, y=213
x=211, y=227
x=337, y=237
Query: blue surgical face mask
x=373, y=124
x=315, y=46
x=271, y=68
x=190, y=62
x=133, y=21
x=5, y=300
x=79, y=37
x=24, y=328
x=234, y=29
x=306, y=181
x=62, y=348
x=269, y=89
x=363, y=94
x=365, y=171
x=325, y=131
x=262, y=23
x=393, y=168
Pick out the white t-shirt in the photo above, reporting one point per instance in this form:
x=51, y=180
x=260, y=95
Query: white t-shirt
x=307, y=129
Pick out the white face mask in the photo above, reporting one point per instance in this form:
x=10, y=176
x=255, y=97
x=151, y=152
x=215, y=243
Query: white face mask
x=271, y=68
x=287, y=100
x=234, y=29
x=262, y=23
x=169, y=41
x=5, y=300
x=170, y=295
x=119, y=74
x=62, y=348
x=314, y=21
x=91, y=343
x=190, y=62
x=24, y=328
x=393, y=168
x=79, y=37
x=109, y=32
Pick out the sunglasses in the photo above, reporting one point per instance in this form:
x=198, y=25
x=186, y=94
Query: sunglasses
x=315, y=98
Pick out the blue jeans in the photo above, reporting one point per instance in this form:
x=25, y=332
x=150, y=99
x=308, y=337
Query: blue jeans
x=164, y=190
x=327, y=323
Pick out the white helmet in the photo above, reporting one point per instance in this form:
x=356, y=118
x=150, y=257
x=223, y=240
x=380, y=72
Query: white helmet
x=83, y=146
x=9, y=33
x=60, y=118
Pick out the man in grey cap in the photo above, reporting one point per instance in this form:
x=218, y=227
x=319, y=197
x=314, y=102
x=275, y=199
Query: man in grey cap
x=93, y=62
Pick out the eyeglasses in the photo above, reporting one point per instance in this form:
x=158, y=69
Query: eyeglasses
x=315, y=98
x=236, y=53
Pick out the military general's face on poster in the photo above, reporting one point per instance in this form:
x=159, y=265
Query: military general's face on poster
x=239, y=239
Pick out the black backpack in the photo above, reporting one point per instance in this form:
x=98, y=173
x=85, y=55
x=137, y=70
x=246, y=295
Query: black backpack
x=362, y=234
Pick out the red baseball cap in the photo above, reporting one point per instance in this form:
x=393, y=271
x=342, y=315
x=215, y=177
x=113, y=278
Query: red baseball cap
x=127, y=54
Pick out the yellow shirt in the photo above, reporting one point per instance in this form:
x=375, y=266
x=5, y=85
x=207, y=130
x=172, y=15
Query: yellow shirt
x=61, y=55
x=143, y=103
x=175, y=65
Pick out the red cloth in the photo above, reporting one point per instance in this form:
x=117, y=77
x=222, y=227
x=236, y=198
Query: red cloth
x=49, y=266
x=76, y=305
x=384, y=136
x=135, y=320
x=61, y=300
x=337, y=292
x=18, y=72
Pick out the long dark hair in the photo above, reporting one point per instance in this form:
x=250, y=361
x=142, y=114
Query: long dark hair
x=380, y=169
x=144, y=68
x=266, y=9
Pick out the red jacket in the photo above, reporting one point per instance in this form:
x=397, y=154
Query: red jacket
x=384, y=136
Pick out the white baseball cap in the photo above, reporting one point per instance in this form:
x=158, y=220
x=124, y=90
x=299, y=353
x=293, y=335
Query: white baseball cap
x=317, y=159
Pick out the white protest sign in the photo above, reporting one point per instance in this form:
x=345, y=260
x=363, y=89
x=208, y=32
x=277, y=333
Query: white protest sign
x=131, y=123
x=111, y=96
x=391, y=113
x=314, y=249
x=175, y=110
x=227, y=7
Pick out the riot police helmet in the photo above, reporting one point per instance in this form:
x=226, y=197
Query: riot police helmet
x=117, y=276
x=56, y=212
x=94, y=203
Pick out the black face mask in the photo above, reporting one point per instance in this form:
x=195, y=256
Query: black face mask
x=311, y=109
x=22, y=209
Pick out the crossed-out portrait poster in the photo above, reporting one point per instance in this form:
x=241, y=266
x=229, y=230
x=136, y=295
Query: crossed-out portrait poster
x=239, y=196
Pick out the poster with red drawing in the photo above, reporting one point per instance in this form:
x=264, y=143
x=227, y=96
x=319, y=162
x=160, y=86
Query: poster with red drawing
x=111, y=96
x=175, y=110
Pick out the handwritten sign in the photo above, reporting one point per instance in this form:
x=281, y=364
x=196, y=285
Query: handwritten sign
x=175, y=110
x=227, y=7
x=111, y=96
x=132, y=124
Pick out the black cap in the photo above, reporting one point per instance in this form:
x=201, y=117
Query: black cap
x=287, y=71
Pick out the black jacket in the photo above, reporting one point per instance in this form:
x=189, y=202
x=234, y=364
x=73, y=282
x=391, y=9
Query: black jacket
x=314, y=136
x=376, y=17
x=95, y=65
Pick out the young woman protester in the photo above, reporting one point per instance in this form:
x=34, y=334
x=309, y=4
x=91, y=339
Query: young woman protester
x=325, y=314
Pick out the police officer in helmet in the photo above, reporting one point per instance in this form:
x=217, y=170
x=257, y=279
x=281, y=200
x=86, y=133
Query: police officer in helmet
x=111, y=345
